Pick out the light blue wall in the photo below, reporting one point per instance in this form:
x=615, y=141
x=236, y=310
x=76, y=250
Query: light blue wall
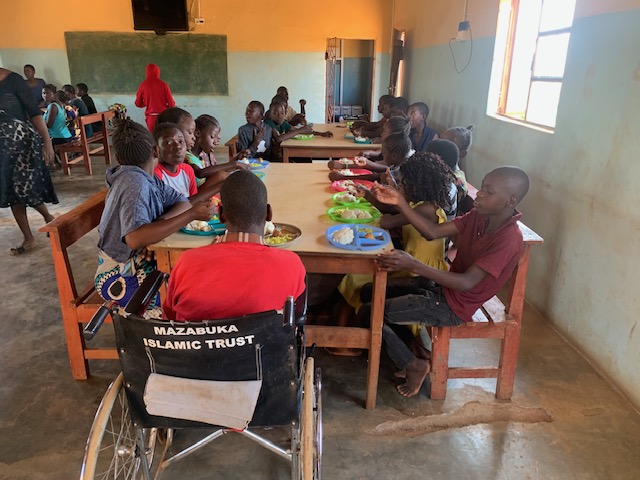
x=252, y=76
x=584, y=195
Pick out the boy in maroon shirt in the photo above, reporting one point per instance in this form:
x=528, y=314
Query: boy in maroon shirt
x=489, y=244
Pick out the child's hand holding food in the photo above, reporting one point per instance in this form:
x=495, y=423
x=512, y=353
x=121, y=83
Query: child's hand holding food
x=203, y=210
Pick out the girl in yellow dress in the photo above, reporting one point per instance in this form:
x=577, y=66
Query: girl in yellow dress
x=424, y=181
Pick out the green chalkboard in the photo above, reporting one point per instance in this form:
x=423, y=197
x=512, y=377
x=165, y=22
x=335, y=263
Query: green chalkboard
x=110, y=62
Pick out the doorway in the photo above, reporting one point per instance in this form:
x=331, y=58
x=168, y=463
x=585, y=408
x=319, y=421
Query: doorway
x=349, y=78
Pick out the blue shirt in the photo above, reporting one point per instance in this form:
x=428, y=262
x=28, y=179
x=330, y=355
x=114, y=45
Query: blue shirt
x=135, y=198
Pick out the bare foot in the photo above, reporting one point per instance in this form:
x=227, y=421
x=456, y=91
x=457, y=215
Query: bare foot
x=417, y=371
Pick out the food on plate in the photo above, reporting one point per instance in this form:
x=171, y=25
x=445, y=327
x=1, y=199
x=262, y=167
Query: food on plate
x=346, y=197
x=361, y=139
x=360, y=161
x=269, y=227
x=346, y=161
x=353, y=214
x=343, y=236
x=346, y=172
x=278, y=237
x=199, y=226
x=369, y=235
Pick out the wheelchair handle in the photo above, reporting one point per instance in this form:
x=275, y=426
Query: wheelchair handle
x=97, y=320
x=289, y=314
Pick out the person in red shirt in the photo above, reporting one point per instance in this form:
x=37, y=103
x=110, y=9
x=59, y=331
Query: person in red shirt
x=154, y=94
x=489, y=245
x=238, y=274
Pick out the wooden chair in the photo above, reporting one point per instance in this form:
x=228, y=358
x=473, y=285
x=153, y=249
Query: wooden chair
x=493, y=320
x=77, y=306
x=232, y=145
x=81, y=147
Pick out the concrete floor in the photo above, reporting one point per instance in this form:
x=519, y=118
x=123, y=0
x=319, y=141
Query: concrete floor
x=564, y=421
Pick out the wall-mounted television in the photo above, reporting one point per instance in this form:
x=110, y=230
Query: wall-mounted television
x=160, y=15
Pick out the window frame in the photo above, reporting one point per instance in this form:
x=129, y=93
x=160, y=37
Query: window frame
x=505, y=79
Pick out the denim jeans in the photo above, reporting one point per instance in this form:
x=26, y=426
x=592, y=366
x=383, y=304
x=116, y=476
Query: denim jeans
x=409, y=301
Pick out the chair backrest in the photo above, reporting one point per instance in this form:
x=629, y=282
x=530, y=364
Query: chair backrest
x=245, y=348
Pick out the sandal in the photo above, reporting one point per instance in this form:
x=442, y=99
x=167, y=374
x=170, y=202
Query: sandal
x=15, y=251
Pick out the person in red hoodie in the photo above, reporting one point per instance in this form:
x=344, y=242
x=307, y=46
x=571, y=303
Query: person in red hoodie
x=154, y=94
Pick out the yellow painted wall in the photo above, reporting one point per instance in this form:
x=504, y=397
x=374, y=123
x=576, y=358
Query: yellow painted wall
x=267, y=25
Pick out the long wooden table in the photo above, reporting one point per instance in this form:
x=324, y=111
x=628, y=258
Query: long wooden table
x=324, y=147
x=300, y=195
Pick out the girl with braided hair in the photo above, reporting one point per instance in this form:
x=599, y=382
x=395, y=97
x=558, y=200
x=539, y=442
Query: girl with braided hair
x=424, y=181
x=139, y=210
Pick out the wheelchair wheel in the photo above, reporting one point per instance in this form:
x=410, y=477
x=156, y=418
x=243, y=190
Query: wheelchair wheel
x=311, y=423
x=113, y=448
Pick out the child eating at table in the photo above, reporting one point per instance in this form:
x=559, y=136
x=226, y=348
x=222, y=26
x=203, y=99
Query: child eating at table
x=202, y=157
x=395, y=148
x=139, y=210
x=461, y=136
x=449, y=153
x=421, y=134
x=209, y=178
x=424, y=184
x=371, y=158
x=254, y=138
x=171, y=168
x=489, y=247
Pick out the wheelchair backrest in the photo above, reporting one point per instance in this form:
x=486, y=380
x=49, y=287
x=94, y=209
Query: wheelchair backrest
x=245, y=348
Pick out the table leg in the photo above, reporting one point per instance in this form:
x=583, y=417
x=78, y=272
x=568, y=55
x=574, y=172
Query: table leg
x=285, y=155
x=163, y=260
x=377, y=313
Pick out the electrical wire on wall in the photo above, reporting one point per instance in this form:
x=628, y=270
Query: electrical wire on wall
x=453, y=56
x=464, y=34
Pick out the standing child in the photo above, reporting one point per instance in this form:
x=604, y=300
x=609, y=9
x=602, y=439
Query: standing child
x=35, y=84
x=489, y=246
x=55, y=117
x=424, y=185
x=155, y=95
x=139, y=210
x=254, y=138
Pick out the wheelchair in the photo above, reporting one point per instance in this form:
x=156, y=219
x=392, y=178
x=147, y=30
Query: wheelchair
x=238, y=374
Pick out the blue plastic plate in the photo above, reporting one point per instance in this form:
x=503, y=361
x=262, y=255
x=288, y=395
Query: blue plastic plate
x=366, y=140
x=381, y=237
x=349, y=136
x=258, y=163
x=217, y=228
x=260, y=175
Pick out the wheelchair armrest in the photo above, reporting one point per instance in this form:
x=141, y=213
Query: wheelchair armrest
x=145, y=292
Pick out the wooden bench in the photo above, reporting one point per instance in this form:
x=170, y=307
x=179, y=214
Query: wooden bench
x=492, y=320
x=232, y=145
x=77, y=306
x=82, y=145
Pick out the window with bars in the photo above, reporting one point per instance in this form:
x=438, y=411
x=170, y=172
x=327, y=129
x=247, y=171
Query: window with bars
x=532, y=40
